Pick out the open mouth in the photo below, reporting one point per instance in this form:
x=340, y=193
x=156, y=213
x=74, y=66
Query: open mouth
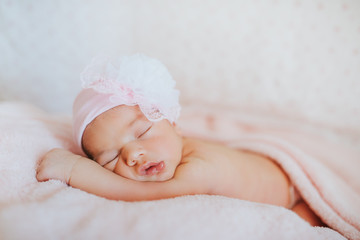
x=152, y=168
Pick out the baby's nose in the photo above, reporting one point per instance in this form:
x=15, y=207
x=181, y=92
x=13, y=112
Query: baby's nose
x=134, y=157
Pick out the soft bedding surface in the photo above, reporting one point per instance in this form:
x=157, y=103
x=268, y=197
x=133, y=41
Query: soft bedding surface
x=52, y=210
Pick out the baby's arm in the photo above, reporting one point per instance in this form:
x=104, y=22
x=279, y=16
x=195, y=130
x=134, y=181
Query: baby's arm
x=89, y=176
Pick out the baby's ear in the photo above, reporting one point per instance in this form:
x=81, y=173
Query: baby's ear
x=177, y=129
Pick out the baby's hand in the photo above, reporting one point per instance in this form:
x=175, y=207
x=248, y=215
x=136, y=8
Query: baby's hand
x=56, y=164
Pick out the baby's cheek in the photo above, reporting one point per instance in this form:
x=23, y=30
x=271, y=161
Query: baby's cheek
x=167, y=176
x=119, y=168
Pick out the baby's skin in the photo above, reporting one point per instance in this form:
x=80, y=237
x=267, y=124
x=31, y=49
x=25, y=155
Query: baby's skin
x=136, y=159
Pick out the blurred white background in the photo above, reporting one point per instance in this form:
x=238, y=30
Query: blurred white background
x=298, y=59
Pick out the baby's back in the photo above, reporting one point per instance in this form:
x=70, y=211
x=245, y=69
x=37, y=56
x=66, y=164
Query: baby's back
x=221, y=170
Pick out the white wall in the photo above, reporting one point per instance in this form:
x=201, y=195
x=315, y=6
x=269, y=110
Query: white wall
x=293, y=58
x=44, y=46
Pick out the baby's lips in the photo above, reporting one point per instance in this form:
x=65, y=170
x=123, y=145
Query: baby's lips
x=151, y=168
x=157, y=168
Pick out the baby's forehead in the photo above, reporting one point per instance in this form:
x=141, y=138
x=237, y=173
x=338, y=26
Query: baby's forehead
x=122, y=119
x=124, y=112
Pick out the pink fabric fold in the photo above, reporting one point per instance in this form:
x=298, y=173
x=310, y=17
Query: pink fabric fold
x=324, y=169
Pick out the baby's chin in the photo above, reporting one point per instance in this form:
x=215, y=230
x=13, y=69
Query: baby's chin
x=161, y=177
x=155, y=178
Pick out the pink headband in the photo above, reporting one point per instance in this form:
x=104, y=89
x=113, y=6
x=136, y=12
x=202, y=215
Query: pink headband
x=134, y=80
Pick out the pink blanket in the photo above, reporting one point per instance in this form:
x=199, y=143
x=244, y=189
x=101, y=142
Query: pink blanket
x=322, y=167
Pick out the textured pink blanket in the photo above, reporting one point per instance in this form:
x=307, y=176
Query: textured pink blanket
x=321, y=166
x=324, y=168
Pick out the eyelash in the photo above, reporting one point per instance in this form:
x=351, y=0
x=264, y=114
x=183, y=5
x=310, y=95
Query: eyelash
x=142, y=134
x=111, y=160
x=145, y=131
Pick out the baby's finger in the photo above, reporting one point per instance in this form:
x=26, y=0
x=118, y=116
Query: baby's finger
x=41, y=174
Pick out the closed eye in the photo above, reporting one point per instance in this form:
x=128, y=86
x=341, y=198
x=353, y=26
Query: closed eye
x=142, y=134
x=108, y=162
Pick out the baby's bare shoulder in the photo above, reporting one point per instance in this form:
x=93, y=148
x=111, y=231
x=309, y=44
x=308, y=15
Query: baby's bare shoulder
x=194, y=174
x=192, y=167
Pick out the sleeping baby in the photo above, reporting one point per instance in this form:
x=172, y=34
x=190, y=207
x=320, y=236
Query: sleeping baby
x=125, y=123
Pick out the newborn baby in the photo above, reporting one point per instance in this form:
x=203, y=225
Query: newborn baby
x=124, y=120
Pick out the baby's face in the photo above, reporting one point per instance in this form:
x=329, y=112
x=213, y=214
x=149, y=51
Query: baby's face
x=124, y=141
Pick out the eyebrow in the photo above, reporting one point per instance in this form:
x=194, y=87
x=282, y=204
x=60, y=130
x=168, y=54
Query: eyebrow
x=133, y=121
